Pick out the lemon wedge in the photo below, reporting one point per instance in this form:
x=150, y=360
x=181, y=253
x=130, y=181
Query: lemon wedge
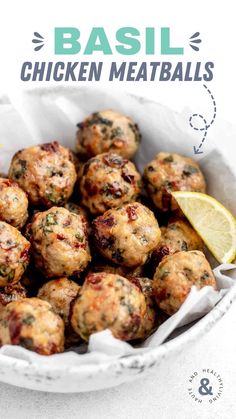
x=212, y=221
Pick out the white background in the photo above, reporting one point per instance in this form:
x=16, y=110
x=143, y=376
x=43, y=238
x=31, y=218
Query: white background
x=163, y=394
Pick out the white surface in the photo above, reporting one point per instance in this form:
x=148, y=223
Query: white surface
x=162, y=396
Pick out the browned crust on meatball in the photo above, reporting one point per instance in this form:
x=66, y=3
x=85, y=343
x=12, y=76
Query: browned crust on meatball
x=59, y=242
x=175, y=276
x=108, y=181
x=127, y=235
x=108, y=301
x=107, y=131
x=172, y=172
x=45, y=172
x=31, y=323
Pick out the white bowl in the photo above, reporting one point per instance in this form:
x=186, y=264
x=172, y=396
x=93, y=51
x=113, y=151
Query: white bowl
x=162, y=129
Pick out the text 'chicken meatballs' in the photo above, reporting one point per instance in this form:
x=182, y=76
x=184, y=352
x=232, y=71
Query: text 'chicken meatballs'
x=107, y=131
x=172, y=172
x=45, y=172
x=175, y=276
x=59, y=242
x=127, y=235
x=108, y=181
x=31, y=323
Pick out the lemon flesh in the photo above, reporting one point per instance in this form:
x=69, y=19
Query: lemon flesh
x=212, y=221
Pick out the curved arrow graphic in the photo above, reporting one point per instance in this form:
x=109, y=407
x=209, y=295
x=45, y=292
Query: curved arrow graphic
x=197, y=150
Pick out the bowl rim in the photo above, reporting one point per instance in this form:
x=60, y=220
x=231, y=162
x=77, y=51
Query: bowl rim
x=146, y=359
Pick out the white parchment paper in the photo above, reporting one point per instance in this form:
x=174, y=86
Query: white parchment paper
x=43, y=115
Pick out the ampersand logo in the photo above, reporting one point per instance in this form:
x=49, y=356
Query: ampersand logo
x=205, y=386
x=203, y=389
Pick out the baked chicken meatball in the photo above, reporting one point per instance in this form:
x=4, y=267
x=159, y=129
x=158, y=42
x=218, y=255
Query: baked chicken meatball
x=108, y=181
x=14, y=254
x=107, y=131
x=45, y=172
x=13, y=203
x=108, y=301
x=60, y=293
x=172, y=172
x=175, y=276
x=12, y=293
x=127, y=235
x=31, y=323
x=177, y=236
x=59, y=242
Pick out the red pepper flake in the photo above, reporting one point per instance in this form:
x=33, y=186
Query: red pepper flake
x=61, y=237
x=159, y=254
x=90, y=187
x=24, y=254
x=94, y=279
x=50, y=147
x=114, y=160
x=15, y=325
x=134, y=280
x=160, y=294
x=128, y=178
x=131, y=211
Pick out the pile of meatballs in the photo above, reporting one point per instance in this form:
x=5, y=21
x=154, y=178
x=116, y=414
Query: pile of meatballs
x=87, y=243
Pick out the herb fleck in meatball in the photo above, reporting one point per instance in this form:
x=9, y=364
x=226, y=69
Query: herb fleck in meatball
x=177, y=236
x=31, y=323
x=59, y=242
x=12, y=293
x=127, y=235
x=108, y=301
x=107, y=131
x=175, y=276
x=46, y=173
x=172, y=172
x=13, y=203
x=60, y=293
x=108, y=181
x=148, y=323
x=14, y=257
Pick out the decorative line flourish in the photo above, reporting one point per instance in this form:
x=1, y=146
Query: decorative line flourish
x=197, y=150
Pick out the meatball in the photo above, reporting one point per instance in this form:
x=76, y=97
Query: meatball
x=117, y=269
x=171, y=172
x=176, y=274
x=108, y=301
x=177, y=236
x=13, y=203
x=60, y=293
x=31, y=323
x=108, y=181
x=59, y=242
x=12, y=293
x=46, y=172
x=148, y=323
x=107, y=131
x=127, y=235
x=14, y=254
